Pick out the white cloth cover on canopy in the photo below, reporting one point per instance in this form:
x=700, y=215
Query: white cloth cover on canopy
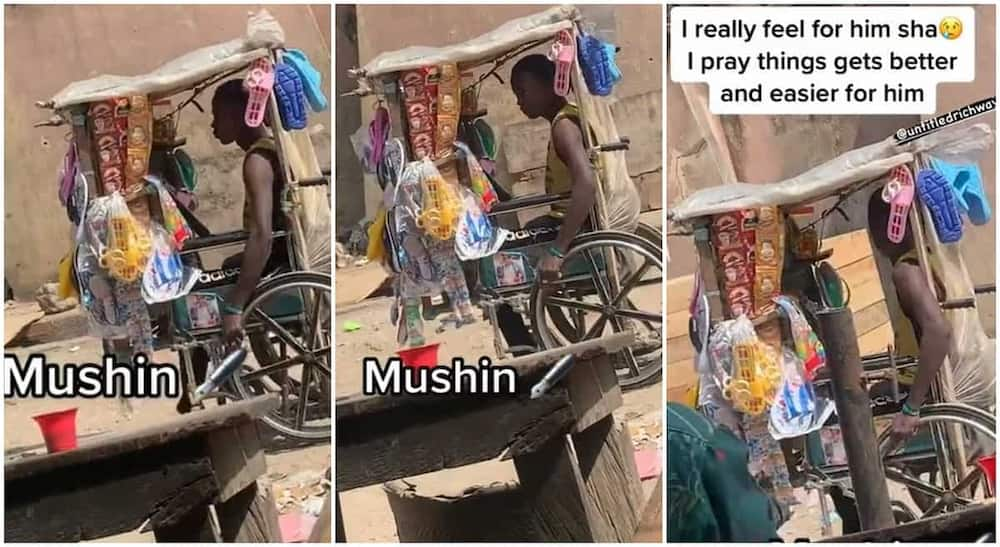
x=840, y=173
x=263, y=32
x=500, y=40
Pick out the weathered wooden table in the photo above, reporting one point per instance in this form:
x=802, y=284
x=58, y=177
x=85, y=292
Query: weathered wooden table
x=169, y=474
x=966, y=526
x=575, y=466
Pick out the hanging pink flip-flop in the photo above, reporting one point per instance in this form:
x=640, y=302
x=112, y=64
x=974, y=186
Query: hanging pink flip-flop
x=899, y=191
x=259, y=82
x=563, y=54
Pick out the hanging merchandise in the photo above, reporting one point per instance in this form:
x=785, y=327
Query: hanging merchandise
x=769, y=256
x=311, y=78
x=597, y=62
x=478, y=181
x=807, y=345
x=67, y=176
x=939, y=198
x=166, y=278
x=128, y=246
x=967, y=182
x=379, y=131
x=376, y=237
x=173, y=221
x=391, y=167
x=476, y=236
x=734, y=240
x=796, y=410
x=449, y=105
x=420, y=101
x=563, y=54
x=898, y=193
x=109, y=121
x=440, y=208
x=259, y=82
x=140, y=141
x=290, y=97
x=756, y=374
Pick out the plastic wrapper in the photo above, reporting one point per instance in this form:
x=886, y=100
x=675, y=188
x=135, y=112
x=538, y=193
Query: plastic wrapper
x=440, y=209
x=127, y=246
x=807, y=345
x=166, y=278
x=477, y=237
x=796, y=410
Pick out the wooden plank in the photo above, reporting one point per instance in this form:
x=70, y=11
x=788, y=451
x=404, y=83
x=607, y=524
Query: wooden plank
x=322, y=532
x=651, y=524
x=409, y=441
x=848, y=248
x=585, y=487
x=237, y=458
x=528, y=367
x=170, y=430
x=251, y=516
x=593, y=391
x=91, y=500
x=679, y=293
x=876, y=340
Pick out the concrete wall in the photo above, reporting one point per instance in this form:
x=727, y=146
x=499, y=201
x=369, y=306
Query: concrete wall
x=772, y=148
x=46, y=47
x=636, y=29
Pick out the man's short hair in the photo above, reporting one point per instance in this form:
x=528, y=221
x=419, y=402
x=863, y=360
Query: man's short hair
x=232, y=92
x=538, y=66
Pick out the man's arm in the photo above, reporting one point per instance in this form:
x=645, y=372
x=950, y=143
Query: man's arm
x=567, y=139
x=922, y=308
x=258, y=176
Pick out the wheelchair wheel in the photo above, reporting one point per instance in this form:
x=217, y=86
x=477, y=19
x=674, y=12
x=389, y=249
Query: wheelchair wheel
x=288, y=325
x=934, y=489
x=585, y=302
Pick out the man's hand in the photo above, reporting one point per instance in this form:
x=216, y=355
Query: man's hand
x=903, y=427
x=232, y=329
x=550, y=267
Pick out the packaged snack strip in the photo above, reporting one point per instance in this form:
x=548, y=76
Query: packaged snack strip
x=767, y=286
x=422, y=144
x=739, y=298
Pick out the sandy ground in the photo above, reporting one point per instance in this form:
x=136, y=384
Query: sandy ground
x=367, y=517
x=99, y=416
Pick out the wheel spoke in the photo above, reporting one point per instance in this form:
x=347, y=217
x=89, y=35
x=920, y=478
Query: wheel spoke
x=275, y=367
x=282, y=333
x=602, y=289
x=574, y=304
x=630, y=283
x=300, y=414
x=640, y=315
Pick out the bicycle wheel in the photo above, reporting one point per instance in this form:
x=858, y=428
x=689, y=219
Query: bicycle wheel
x=288, y=324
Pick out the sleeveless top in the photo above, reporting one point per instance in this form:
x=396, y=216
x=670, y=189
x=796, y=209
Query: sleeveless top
x=267, y=148
x=558, y=178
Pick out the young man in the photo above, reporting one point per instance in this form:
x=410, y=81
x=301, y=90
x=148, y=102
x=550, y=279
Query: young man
x=568, y=169
x=917, y=302
x=263, y=182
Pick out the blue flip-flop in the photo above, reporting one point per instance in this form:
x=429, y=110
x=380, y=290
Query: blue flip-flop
x=967, y=181
x=936, y=193
x=311, y=78
x=290, y=97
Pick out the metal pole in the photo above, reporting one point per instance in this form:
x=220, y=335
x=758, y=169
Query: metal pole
x=855, y=417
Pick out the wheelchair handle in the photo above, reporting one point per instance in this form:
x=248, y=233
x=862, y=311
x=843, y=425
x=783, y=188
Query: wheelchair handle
x=622, y=144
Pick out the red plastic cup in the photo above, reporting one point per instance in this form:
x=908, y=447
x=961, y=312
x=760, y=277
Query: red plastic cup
x=421, y=356
x=989, y=466
x=59, y=430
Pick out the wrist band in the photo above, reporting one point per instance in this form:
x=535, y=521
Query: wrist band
x=908, y=410
x=229, y=309
x=556, y=252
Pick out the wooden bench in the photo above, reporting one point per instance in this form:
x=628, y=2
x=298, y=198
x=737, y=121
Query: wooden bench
x=168, y=474
x=852, y=257
x=574, y=465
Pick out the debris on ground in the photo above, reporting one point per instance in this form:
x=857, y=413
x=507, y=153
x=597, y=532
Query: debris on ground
x=303, y=492
x=48, y=299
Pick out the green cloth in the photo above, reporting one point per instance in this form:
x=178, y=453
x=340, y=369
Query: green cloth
x=711, y=496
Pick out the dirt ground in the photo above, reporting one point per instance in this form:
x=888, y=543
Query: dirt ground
x=367, y=517
x=287, y=470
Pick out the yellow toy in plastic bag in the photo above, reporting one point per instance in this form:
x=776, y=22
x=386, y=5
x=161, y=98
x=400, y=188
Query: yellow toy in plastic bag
x=129, y=247
x=756, y=375
x=441, y=209
x=66, y=286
